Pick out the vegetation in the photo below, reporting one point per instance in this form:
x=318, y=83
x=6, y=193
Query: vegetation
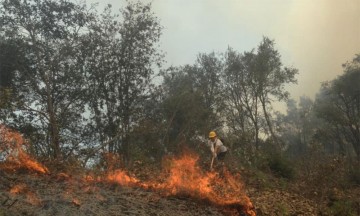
x=79, y=84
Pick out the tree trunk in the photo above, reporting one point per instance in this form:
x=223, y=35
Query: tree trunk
x=54, y=129
x=256, y=137
x=268, y=122
x=356, y=143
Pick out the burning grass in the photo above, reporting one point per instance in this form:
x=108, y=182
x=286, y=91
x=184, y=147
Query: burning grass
x=13, y=147
x=187, y=178
x=183, y=178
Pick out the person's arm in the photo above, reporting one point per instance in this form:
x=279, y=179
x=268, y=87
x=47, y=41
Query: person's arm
x=215, y=150
x=210, y=145
x=218, y=145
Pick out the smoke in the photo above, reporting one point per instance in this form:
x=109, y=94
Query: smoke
x=316, y=37
x=321, y=35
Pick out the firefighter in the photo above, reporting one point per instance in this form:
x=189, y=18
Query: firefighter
x=218, y=149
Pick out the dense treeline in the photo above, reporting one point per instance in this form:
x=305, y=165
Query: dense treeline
x=78, y=83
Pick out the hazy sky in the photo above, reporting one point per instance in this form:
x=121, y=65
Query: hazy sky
x=314, y=36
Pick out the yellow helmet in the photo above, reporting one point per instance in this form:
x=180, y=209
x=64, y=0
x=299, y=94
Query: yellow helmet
x=212, y=134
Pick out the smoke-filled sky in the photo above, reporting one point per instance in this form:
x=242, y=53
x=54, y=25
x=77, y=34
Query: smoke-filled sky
x=314, y=36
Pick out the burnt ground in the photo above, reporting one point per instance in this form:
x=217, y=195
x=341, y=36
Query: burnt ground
x=28, y=193
x=35, y=194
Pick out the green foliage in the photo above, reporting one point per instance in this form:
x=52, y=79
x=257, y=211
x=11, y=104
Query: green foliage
x=261, y=179
x=121, y=59
x=299, y=127
x=343, y=208
x=192, y=100
x=80, y=78
x=354, y=175
x=281, y=167
x=251, y=79
x=10, y=58
x=282, y=209
x=145, y=144
x=78, y=81
x=5, y=98
x=338, y=103
x=47, y=36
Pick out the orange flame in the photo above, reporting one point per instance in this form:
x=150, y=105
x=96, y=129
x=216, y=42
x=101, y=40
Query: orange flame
x=19, y=188
x=120, y=177
x=76, y=202
x=183, y=177
x=31, y=164
x=23, y=189
x=187, y=177
x=13, y=144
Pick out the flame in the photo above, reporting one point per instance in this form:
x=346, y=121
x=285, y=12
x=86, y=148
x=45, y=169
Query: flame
x=76, y=202
x=62, y=176
x=186, y=177
x=120, y=177
x=30, y=163
x=89, y=178
x=13, y=144
x=113, y=176
x=23, y=189
x=19, y=188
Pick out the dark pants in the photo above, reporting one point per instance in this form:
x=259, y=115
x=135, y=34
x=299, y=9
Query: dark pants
x=221, y=156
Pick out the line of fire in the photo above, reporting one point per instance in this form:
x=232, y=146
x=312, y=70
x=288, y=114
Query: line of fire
x=182, y=178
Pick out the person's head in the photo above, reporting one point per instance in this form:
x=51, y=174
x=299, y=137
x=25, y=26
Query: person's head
x=212, y=135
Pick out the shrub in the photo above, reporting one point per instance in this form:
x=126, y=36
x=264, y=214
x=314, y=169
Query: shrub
x=342, y=208
x=354, y=176
x=281, y=167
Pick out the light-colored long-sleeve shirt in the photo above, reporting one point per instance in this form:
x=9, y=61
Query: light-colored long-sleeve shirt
x=216, y=146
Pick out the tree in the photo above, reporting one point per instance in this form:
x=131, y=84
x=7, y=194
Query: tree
x=192, y=100
x=253, y=81
x=299, y=126
x=50, y=87
x=123, y=56
x=11, y=59
x=339, y=105
x=206, y=74
x=205, y=77
x=242, y=111
x=270, y=79
x=8, y=56
x=183, y=106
